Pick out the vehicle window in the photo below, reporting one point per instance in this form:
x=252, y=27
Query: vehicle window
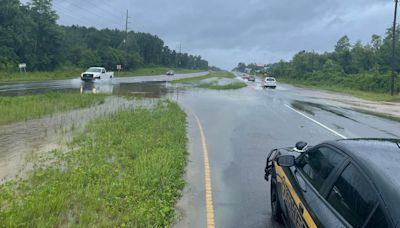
x=377, y=220
x=95, y=70
x=352, y=197
x=318, y=164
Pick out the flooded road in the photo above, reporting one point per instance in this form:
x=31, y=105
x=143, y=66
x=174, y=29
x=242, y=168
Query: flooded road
x=240, y=127
x=23, y=143
x=107, y=86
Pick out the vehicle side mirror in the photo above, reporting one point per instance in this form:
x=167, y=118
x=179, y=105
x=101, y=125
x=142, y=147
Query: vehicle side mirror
x=301, y=145
x=286, y=160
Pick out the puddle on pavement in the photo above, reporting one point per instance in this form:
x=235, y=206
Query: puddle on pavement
x=22, y=141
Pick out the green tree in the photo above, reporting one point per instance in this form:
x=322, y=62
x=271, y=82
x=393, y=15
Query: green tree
x=46, y=35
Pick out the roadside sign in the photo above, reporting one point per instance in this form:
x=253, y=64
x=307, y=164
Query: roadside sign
x=119, y=67
x=22, y=67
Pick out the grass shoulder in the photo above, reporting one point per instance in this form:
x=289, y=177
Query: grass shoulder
x=22, y=108
x=123, y=171
x=372, y=96
x=39, y=76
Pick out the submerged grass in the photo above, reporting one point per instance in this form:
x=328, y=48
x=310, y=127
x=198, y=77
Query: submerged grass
x=22, y=108
x=127, y=172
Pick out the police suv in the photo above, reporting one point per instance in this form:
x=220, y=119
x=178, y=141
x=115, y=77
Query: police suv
x=342, y=183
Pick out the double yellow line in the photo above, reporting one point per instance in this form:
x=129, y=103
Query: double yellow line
x=207, y=177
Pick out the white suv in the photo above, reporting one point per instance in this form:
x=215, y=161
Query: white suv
x=269, y=82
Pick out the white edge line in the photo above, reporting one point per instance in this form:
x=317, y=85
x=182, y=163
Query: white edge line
x=320, y=124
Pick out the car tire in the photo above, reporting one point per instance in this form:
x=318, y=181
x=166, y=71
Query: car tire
x=276, y=209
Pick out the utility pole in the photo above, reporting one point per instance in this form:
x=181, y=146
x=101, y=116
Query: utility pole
x=126, y=28
x=394, y=49
x=180, y=54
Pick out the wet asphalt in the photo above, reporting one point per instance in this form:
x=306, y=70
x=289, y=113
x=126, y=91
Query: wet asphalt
x=240, y=127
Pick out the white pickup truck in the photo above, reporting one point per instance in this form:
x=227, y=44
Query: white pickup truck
x=96, y=73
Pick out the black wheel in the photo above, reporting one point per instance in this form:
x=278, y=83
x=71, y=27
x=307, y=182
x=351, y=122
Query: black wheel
x=275, y=206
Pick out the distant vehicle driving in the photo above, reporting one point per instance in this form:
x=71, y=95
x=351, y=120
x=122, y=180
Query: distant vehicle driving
x=170, y=73
x=245, y=76
x=269, y=82
x=96, y=73
x=342, y=183
x=251, y=78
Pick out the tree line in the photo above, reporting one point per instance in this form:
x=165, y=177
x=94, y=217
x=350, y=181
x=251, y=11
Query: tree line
x=29, y=34
x=357, y=66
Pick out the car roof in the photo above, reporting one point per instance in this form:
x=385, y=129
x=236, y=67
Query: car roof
x=96, y=68
x=380, y=160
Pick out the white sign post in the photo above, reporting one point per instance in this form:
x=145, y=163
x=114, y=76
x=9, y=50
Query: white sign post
x=119, y=67
x=22, y=67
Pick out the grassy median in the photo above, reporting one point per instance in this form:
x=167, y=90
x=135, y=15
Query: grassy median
x=125, y=171
x=22, y=108
x=197, y=81
x=214, y=74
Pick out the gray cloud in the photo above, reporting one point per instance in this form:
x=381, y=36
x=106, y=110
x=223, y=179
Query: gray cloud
x=226, y=32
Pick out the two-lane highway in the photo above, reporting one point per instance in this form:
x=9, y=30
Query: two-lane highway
x=239, y=128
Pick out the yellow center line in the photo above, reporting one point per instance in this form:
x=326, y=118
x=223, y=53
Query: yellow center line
x=207, y=177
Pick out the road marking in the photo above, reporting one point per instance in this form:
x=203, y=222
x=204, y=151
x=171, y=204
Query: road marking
x=320, y=124
x=207, y=177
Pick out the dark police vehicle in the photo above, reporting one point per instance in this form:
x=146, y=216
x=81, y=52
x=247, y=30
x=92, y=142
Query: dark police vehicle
x=343, y=183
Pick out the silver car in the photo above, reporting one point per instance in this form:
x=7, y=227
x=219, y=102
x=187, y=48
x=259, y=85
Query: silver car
x=269, y=82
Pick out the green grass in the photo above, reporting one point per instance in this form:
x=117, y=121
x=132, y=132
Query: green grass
x=153, y=71
x=214, y=74
x=213, y=85
x=39, y=76
x=236, y=85
x=22, y=108
x=125, y=171
x=339, y=89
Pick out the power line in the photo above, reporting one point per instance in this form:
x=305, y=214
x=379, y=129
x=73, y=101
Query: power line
x=88, y=13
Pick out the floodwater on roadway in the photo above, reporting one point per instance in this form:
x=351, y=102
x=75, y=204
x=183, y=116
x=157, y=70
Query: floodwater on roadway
x=22, y=143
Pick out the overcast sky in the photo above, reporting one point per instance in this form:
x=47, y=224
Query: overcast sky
x=227, y=32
